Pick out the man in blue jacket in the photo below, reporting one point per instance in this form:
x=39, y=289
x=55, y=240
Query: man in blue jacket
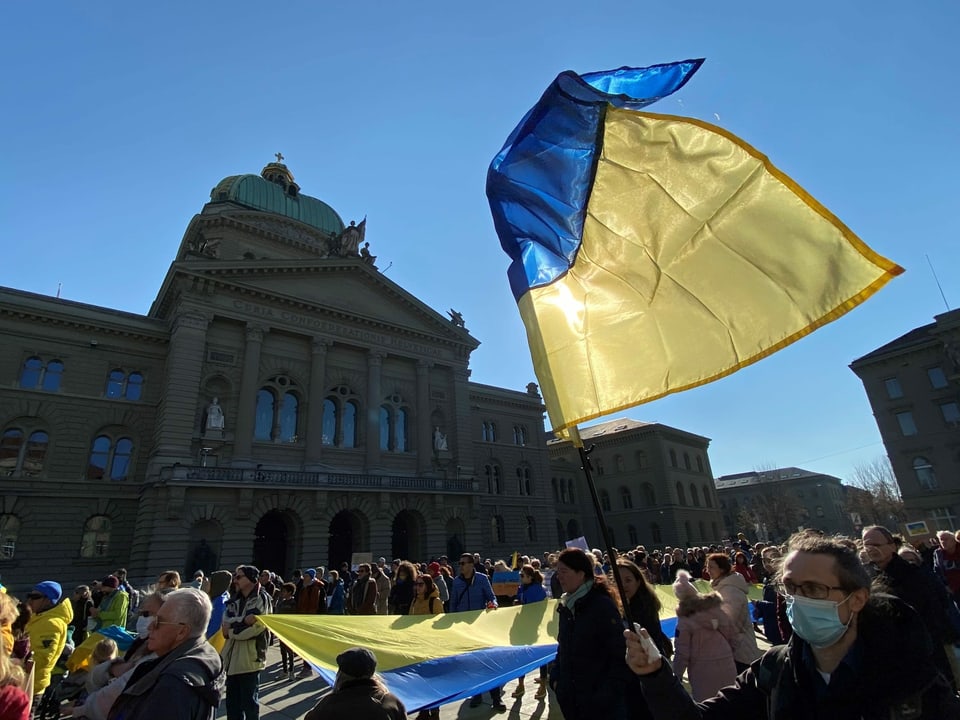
x=472, y=591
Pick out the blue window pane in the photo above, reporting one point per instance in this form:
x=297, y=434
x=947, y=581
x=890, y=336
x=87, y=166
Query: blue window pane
x=329, y=422
x=51, y=378
x=384, y=428
x=10, y=444
x=350, y=412
x=121, y=459
x=115, y=384
x=36, y=453
x=263, y=429
x=30, y=374
x=134, y=386
x=99, y=454
x=288, y=417
x=402, y=440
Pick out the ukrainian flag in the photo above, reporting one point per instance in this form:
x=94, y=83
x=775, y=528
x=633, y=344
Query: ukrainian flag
x=654, y=253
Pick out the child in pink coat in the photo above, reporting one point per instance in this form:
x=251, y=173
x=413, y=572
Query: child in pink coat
x=704, y=636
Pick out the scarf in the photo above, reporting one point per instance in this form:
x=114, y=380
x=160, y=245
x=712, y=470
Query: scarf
x=569, y=600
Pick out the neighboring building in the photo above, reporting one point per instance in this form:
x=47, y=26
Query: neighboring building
x=769, y=505
x=913, y=384
x=653, y=481
x=282, y=402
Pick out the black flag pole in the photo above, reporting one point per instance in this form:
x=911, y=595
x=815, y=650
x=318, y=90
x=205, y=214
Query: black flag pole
x=604, y=531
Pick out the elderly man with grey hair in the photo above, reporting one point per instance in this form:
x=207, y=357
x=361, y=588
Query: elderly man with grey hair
x=185, y=680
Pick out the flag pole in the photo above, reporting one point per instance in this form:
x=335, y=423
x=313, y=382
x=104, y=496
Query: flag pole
x=587, y=468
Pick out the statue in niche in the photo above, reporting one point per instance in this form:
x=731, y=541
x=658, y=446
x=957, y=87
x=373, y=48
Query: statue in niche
x=439, y=440
x=351, y=237
x=214, y=415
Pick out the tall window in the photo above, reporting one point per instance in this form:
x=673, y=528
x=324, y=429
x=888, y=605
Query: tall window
x=605, y=500
x=707, y=500
x=703, y=530
x=123, y=385
x=109, y=458
x=937, y=378
x=598, y=464
x=655, y=533
x=694, y=495
x=277, y=413
x=699, y=464
x=951, y=413
x=907, y=425
x=618, y=461
x=641, y=457
x=681, y=495
x=498, y=533
x=673, y=458
x=23, y=451
x=632, y=535
x=341, y=408
x=926, y=478
x=892, y=386
x=394, y=425
x=556, y=490
x=713, y=526
x=9, y=532
x=626, y=497
x=494, y=481
x=489, y=431
x=686, y=460
x=39, y=375
x=943, y=518
x=95, y=542
x=524, y=483
x=570, y=495
x=519, y=435
x=561, y=533
x=649, y=496
x=531, y=528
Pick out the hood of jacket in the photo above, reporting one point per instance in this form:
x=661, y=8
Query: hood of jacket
x=60, y=613
x=698, y=603
x=734, y=579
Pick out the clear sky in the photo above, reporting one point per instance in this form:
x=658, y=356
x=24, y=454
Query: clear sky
x=118, y=120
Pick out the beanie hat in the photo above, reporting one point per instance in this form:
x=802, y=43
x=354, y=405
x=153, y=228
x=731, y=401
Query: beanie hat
x=249, y=572
x=219, y=583
x=110, y=581
x=50, y=590
x=357, y=662
x=683, y=588
x=311, y=572
x=434, y=568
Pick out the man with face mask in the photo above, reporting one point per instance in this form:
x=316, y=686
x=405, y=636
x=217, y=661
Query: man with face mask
x=852, y=655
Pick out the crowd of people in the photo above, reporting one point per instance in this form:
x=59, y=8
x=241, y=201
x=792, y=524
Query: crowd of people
x=863, y=627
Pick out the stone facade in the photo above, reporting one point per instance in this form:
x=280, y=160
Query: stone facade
x=345, y=420
x=913, y=384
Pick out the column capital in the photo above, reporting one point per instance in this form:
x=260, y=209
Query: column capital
x=319, y=346
x=423, y=366
x=255, y=332
x=191, y=320
x=375, y=357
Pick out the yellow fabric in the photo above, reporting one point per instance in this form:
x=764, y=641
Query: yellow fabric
x=698, y=258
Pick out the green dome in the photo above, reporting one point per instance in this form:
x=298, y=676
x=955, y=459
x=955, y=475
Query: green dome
x=255, y=192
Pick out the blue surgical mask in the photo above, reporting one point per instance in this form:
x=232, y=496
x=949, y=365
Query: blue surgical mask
x=816, y=621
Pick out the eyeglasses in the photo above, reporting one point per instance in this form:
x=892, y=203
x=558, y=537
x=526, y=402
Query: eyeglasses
x=158, y=622
x=812, y=590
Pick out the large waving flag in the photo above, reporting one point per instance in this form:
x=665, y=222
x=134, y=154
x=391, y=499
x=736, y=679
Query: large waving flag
x=654, y=253
x=430, y=660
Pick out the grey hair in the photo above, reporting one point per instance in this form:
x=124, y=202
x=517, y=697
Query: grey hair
x=191, y=607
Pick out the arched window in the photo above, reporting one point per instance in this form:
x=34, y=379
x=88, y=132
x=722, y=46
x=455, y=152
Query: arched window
x=694, y=495
x=686, y=528
x=924, y=472
x=632, y=535
x=573, y=529
x=524, y=484
x=681, y=495
x=655, y=533
x=489, y=431
x=598, y=464
x=36, y=374
x=561, y=534
x=394, y=434
x=122, y=385
x=570, y=495
x=19, y=457
x=341, y=408
x=641, y=457
x=699, y=464
x=95, y=542
x=626, y=497
x=9, y=532
x=492, y=473
x=519, y=435
x=703, y=530
x=531, y=528
x=686, y=460
x=673, y=458
x=278, y=410
x=649, y=496
x=497, y=531
x=707, y=500
x=109, y=453
x=604, y=500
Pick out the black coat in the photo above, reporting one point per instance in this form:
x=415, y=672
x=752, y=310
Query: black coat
x=360, y=699
x=590, y=675
x=895, y=679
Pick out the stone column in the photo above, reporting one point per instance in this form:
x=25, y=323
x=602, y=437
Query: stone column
x=372, y=424
x=465, y=445
x=247, y=399
x=424, y=431
x=315, y=395
x=177, y=412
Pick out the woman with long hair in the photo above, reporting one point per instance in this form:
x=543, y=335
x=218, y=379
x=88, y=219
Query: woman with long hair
x=733, y=589
x=590, y=676
x=401, y=595
x=426, y=599
x=644, y=603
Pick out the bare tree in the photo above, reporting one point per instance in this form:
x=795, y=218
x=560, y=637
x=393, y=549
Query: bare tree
x=874, y=495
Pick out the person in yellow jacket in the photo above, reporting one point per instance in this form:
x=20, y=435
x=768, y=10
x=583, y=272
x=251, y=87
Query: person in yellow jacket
x=112, y=609
x=47, y=630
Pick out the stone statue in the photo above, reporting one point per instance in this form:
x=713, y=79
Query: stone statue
x=214, y=415
x=456, y=318
x=952, y=350
x=439, y=440
x=365, y=254
x=351, y=237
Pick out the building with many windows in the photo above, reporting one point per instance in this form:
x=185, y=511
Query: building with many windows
x=913, y=384
x=282, y=402
x=653, y=482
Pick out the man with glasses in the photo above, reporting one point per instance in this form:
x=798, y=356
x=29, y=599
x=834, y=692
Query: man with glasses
x=472, y=591
x=852, y=655
x=185, y=679
x=47, y=629
x=245, y=650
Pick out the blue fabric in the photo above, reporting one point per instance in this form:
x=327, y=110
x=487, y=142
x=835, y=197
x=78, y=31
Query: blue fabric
x=539, y=183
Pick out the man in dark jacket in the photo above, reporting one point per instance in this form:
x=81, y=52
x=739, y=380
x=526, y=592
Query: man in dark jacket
x=186, y=680
x=357, y=693
x=851, y=655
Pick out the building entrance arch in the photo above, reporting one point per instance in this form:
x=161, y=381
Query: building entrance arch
x=271, y=542
x=456, y=535
x=345, y=538
x=407, y=540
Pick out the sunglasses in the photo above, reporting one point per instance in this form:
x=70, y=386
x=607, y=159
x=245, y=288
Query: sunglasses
x=35, y=596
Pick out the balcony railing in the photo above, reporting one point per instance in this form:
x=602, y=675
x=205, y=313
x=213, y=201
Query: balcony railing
x=260, y=476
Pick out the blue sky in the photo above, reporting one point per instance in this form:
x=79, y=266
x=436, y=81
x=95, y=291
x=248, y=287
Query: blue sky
x=120, y=119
